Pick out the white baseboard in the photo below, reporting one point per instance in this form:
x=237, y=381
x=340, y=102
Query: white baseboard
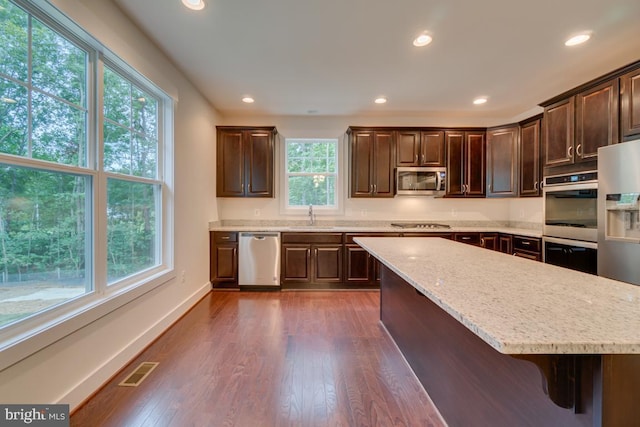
x=85, y=388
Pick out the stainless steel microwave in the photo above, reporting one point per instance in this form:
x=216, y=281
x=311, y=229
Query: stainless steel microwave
x=420, y=181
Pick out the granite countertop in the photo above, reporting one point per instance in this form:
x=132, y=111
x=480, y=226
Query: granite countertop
x=377, y=227
x=515, y=305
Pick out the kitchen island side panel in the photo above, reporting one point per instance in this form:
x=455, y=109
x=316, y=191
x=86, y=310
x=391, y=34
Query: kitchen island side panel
x=469, y=382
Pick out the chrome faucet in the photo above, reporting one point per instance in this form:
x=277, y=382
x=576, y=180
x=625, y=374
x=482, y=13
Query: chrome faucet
x=312, y=216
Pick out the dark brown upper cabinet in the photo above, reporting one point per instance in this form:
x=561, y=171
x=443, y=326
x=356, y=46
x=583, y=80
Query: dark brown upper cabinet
x=630, y=105
x=245, y=161
x=559, y=121
x=466, y=152
x=577, y=126
x=596, y=120
x=420, y=148
x=530, y=165
x=502, y=161
x=372, y=160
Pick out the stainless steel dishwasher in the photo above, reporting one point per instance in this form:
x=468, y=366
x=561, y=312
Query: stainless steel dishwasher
x=259, y=259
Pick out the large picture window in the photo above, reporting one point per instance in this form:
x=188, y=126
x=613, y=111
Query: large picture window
x=83, y=161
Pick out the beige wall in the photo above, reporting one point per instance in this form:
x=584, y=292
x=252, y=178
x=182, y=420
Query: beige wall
x=74, y=367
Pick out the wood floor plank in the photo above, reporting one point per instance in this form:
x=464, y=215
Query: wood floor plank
x=270, y=359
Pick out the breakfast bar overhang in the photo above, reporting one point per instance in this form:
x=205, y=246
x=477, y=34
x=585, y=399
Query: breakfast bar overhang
x=499, y=340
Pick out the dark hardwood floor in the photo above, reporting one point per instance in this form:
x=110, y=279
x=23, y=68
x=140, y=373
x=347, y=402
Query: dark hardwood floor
x=270, y=359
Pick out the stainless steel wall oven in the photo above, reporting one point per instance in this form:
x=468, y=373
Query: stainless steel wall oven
x=570, y=230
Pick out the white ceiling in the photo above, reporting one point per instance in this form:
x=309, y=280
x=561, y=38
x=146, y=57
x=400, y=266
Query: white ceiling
x=333, y=57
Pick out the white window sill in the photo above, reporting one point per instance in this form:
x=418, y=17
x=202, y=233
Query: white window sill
x=16, y=344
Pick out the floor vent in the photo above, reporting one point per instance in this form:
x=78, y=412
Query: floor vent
x=141, y=372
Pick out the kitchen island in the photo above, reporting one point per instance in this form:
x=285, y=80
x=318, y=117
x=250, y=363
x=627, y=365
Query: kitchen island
x=499, y=340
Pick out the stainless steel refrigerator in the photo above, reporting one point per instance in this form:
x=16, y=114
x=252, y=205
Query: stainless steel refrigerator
x=619, y=211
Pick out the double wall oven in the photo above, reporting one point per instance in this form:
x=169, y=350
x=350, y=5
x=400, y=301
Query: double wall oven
x=570, y=231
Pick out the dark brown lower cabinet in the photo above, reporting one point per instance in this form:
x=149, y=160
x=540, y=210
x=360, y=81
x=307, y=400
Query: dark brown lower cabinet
x=527, y=247
x=335, y=260
x=361, y=269
x=311, y=260
x=504, y=243
x=223, y=259
x=489, y=241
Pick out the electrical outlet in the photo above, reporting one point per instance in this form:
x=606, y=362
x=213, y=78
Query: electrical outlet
x=521, y=213
x=363, y=212
x=256, y=212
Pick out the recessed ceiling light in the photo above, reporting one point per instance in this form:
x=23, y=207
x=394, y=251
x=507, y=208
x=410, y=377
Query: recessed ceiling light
x=194, y=4
x=577, y=39
x=422, y=40
x=380, y=100
x=480, y=100
x=8, y=100
x=248, y=100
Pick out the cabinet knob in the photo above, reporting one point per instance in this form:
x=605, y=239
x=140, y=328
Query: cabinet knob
x=570, y=151
x=579, y=150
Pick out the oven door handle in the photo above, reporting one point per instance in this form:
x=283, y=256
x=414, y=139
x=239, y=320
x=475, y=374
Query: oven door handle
x=570, y=242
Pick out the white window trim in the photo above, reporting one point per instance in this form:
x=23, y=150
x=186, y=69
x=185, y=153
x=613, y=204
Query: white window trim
x=44, y=328
x=285, y=209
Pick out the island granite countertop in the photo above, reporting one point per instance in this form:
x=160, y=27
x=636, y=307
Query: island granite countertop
x=515, y=305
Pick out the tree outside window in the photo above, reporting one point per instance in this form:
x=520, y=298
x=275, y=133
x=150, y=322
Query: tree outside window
x=311, y=172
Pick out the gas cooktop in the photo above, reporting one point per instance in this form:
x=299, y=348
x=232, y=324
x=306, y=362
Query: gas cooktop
x=419, y=225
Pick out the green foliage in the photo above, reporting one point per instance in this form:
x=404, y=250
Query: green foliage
x=130, y=128
x=46, y=230
x=311, y=172
x=42, y=222
x=131, y=227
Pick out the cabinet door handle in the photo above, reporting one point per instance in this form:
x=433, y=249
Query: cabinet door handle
x=466, y=238
x=570, y=151
x=526, y=243
x=535, y=185
x=416, y=158
x=225, y=238
x=482, y=242
x=375, y=188
x=371, y=188
x=578, y=150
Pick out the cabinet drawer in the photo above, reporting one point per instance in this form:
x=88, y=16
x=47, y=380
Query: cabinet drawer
x=225, y=236
x=469, y=238
x=428, y=234
x=530, y=244
x=348, y=237
x=311, y=237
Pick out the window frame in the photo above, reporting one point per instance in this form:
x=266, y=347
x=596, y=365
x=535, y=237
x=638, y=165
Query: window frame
x=338, y=209
x=29, y=335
